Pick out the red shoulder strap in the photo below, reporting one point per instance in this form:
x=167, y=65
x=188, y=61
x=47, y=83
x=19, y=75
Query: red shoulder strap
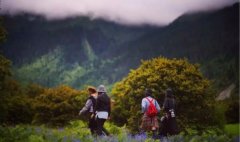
x=149, y=100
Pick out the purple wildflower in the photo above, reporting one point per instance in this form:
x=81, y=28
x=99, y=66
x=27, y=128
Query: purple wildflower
x=60, y=129
x=38, y=130
x=141, y=137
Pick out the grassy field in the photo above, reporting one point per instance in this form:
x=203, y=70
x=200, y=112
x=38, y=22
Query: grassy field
x=232, y=129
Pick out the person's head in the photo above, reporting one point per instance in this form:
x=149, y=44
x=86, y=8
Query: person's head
x=148, y=92
x=169, y=93
x=101, y=89
x=91, y=90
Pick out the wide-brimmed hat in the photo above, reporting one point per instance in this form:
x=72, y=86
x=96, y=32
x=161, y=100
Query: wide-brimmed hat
x=101, y=88
x=91, y=89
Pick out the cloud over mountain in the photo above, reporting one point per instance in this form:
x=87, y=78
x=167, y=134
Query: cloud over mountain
x=133, y=12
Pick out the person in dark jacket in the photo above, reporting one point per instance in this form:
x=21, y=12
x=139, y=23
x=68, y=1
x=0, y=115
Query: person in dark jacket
x=168, y=121
x=103, y=109
x=89, y=108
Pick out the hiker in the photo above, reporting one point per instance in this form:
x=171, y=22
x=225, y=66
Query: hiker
x=103, y=110
x=168, y=121
x=150, y=108
x=89, y=107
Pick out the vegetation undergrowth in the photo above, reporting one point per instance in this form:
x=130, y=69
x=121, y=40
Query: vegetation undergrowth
x=77, y=131
x=232, y=129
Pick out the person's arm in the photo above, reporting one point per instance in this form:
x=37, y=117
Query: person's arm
x=157, y=106
x=86, y=107
x=165, y=104
x=95, y=108
x=144, y=105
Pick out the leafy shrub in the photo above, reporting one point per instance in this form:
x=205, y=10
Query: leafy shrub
x=232, y=111
x=57, y=106
x=5, y=73
x=18, y=108
x=232, y=129
x=192, y=92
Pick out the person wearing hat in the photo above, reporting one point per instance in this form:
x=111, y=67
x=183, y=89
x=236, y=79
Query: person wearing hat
x=103, y=109
x=89, y=107
x=149, y=122
x=168, y=121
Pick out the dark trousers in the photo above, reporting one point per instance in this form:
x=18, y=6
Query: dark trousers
x=100, y=129
x=168, y=127
x=92, y=124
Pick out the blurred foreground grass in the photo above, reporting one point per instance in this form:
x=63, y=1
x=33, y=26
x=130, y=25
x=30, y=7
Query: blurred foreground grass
x=77, y=131
x=232, y=129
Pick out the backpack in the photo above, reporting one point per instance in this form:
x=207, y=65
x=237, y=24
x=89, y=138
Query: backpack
x=151, y=110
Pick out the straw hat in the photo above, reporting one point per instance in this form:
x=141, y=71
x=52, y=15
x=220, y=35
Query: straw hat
x=91, y=89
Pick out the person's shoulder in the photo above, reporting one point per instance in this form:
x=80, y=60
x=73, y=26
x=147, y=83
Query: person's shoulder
x=91, y=98
x=152, y=98
x=144, y=99
x=106, y=96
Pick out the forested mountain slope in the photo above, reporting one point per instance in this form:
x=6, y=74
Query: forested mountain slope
x=79, y=51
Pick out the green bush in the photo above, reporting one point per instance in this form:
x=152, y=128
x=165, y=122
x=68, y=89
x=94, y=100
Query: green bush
x=192, y=91
x=232, y=129
x=18, y=106
x=232, y=111
x=57, y=106
x=5, y=73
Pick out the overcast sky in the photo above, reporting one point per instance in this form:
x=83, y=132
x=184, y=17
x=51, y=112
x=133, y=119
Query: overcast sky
x=134, y=12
